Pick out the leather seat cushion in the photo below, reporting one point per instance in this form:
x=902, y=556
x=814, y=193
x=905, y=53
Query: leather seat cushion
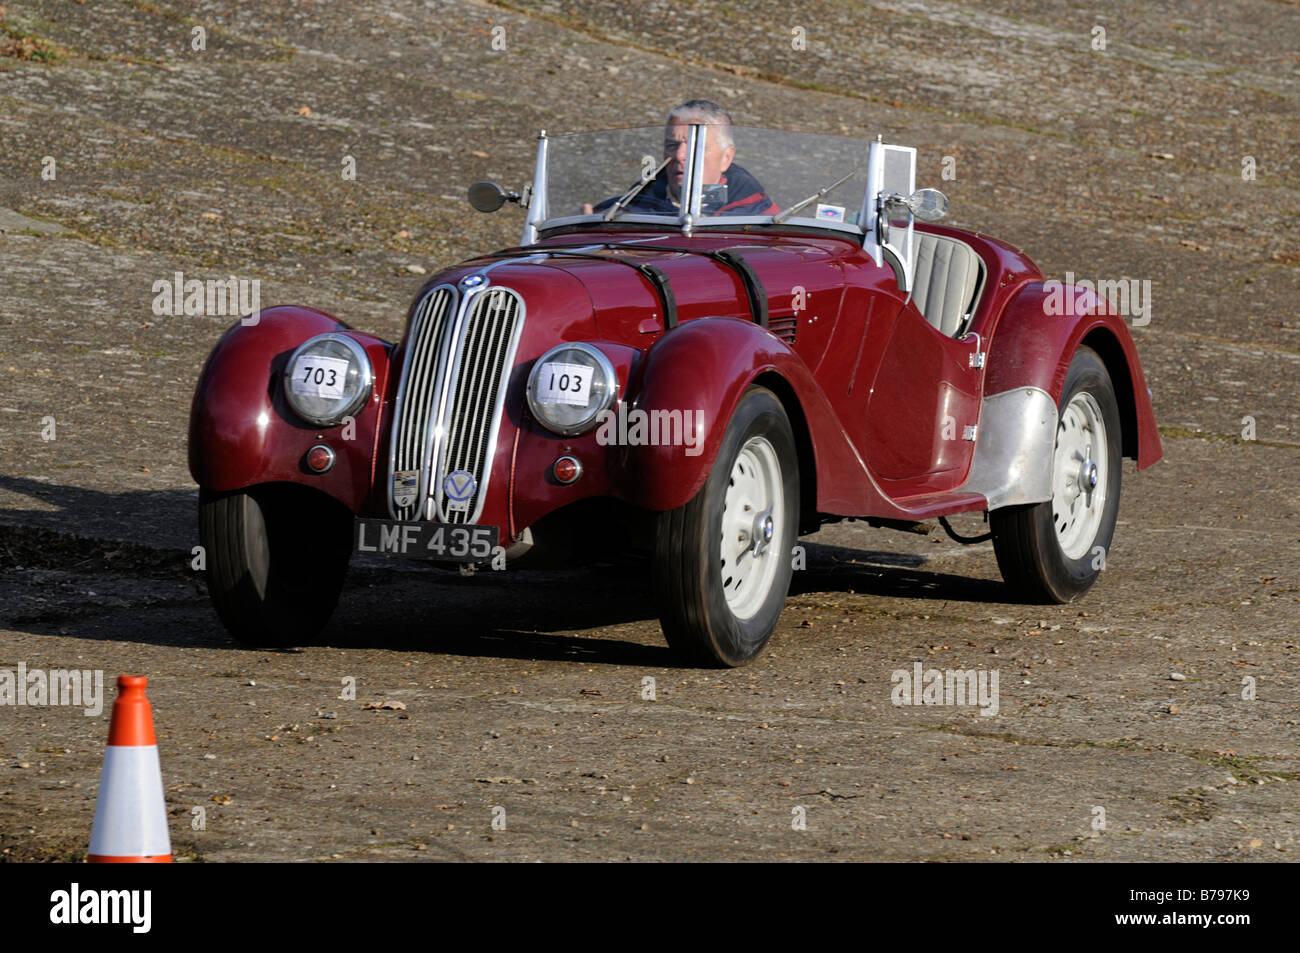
x=944, y=281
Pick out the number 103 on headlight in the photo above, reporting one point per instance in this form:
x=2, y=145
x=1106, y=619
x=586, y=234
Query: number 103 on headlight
x=564, y=384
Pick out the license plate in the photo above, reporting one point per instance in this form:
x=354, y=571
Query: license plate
x=437, y=541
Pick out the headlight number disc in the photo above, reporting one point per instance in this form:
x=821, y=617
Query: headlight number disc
x=317, y=376
x=564, y=384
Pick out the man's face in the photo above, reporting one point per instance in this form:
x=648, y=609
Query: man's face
x=716, y=159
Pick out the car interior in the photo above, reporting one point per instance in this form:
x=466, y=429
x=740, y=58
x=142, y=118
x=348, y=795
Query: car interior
x=946, y=282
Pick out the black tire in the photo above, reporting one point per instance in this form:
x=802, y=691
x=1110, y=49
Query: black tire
x=693, y=576
x=1032, y=555
x=276, y=560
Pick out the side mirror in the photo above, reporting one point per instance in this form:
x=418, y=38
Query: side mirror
x=929, y=205
x=488, y=196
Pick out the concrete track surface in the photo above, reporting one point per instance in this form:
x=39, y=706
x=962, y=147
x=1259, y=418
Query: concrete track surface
x=523, y=693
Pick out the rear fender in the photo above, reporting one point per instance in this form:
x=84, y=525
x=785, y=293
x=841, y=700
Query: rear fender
x=1033, y=344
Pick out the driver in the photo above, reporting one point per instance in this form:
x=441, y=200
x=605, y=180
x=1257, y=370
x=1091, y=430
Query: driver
x=728, y=189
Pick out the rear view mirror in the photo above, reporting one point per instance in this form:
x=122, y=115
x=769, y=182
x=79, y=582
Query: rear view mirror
x=488, y=196
x=929, y=205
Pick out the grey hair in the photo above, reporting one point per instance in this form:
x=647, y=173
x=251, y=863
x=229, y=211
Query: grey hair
x=706, y=111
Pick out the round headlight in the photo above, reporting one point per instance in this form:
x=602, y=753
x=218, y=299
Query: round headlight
x=569, y=386
x=327, y=379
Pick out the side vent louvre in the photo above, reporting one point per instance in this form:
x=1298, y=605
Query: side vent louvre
x=784, y=326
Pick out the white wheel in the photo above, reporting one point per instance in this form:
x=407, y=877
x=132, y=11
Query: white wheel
x=722, y=561
x=1079, y=484
x=1054, y=551
x=752, y=511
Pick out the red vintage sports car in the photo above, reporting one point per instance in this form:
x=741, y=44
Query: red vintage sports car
x=705, y=369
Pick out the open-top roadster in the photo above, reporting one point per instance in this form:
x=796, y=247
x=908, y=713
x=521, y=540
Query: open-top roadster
x=702, y=362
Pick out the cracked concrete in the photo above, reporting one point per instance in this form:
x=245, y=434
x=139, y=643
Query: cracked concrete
x=1122, y=162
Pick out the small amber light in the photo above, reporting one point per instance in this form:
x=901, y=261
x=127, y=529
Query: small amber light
x=567, y=469
x=320, y=458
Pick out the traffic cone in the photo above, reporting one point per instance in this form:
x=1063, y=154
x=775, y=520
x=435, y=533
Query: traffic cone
x=131, y=815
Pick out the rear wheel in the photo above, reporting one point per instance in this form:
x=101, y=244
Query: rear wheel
x=276, y=560
x=722, y=561
x=1054, y=551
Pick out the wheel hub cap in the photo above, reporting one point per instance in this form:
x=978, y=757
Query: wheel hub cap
x=752, y=510
x=1079, y=484
x=763, y=532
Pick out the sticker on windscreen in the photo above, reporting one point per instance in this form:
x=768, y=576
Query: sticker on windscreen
x=830, y=213
x=564, y=384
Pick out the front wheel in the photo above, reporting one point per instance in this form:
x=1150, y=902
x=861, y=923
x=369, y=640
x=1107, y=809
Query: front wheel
x=276, y=560
x=722, y=562
x=1054, y=551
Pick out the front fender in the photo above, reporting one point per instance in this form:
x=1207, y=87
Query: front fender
x=704, y=367
x=1033, y=343
x=243, y=433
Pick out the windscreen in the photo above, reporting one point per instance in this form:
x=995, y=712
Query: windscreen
x=746, y=172
x=589, y=172
x=770, y=172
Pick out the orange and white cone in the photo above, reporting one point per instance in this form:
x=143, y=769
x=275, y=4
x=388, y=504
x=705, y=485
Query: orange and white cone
x=131, y=815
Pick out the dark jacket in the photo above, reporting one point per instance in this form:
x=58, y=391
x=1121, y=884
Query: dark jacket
x=744, y=196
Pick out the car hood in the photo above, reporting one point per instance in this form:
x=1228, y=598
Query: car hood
x=621, y=302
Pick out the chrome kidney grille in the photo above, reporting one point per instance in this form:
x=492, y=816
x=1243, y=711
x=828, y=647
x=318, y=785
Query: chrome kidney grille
x=460, y=352
x=416, y=398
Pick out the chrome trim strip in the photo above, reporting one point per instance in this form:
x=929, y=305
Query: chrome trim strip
x=396, y=429
x=537, y=199
x=692, y=181
x=428, y=373
x=599, y=219
x=870, y=211
x=717, y=220
x=710, y=221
